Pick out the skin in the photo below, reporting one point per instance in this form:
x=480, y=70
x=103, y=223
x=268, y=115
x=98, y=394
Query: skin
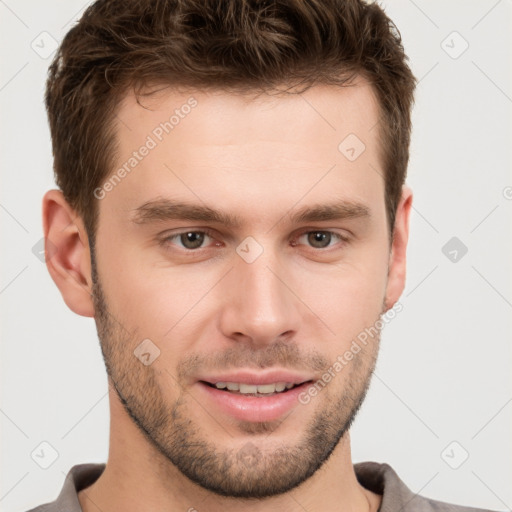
x=297, y=306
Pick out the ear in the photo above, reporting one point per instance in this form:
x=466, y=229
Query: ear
x=68, y=257
x=397, y=259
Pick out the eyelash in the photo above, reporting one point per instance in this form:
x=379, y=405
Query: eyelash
x=167, y=240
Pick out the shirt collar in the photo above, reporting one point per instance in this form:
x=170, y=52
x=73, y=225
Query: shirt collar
x=376, y=477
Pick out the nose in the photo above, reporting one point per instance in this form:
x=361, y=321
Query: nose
x=260, y=306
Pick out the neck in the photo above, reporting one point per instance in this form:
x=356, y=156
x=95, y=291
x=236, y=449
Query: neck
x=138, y=477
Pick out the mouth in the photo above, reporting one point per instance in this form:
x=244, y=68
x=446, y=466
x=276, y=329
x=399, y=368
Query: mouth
x=255, y=390
x=253, y=397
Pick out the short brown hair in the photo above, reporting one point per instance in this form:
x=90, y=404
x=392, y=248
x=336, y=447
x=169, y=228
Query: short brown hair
x=235, y=45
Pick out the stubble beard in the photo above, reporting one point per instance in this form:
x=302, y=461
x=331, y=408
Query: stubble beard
x=255, y=467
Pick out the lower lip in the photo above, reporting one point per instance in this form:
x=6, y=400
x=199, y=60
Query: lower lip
x=253, y=408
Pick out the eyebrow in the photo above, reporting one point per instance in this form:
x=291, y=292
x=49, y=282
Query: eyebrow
x=166, y=209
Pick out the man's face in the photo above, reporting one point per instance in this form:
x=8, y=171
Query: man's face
x=273, y=298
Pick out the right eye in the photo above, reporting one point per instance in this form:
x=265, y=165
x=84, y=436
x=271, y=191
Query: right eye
x=189, y=240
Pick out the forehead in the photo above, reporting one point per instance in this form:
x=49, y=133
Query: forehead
x=338, y=109
x=217, y=146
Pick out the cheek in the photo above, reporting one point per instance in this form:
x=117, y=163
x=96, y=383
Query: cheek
x=149, y=304
x=350, y=293
x=161, y=302
x=350, y=302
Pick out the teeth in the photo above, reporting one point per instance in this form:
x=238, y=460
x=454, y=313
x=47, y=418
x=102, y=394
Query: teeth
x=266, y=388
x=248, y=389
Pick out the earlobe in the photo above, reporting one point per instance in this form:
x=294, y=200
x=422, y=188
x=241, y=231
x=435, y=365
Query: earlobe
x=67, y=253
x=397, y=259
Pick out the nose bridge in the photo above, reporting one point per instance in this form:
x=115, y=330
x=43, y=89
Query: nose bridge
x=260, y=305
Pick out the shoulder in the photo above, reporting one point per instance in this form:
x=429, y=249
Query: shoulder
x=382, y=479
x=79, y=477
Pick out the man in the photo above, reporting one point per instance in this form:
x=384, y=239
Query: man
x=232, y=212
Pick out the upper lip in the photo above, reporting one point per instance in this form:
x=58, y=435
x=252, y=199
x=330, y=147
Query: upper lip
x=258, y=378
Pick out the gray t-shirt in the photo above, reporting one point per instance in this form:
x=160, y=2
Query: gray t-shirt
x=379, y=478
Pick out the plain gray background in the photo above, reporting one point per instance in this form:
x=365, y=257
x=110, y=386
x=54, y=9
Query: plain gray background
x=442, y=389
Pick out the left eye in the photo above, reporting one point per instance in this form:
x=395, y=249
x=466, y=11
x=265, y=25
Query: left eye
x=321, y=239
